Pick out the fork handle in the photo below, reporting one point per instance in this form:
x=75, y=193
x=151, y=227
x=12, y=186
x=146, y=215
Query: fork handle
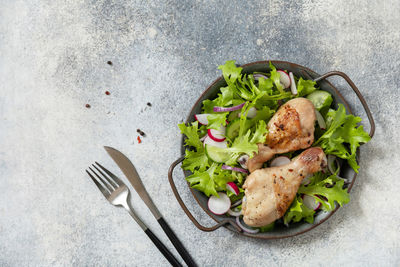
x=177, y=243
x=163, y=249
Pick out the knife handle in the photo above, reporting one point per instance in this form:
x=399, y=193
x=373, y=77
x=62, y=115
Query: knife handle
x=163, y=249
x=177, y=243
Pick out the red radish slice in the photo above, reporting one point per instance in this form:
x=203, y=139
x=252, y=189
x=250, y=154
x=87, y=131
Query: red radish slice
x=280, y=161
x=202, y=118
x=243, y=161
x=310, y=202
x=222, y=109
x=231, y=186
x=219, y=205
x=246, y=228
x=234, y=213
x=293, y=87
x=209, y=141
x=236, y=169
x=306, y=179
x=320, y=119
x=217, y=135
x=284, y=79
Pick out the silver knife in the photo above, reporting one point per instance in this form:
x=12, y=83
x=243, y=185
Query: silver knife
x=130, y=172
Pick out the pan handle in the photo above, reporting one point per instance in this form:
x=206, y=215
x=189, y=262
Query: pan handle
x=186, y=210
x=359, y=95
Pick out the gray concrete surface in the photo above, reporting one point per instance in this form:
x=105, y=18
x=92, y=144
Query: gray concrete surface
x=53, y=58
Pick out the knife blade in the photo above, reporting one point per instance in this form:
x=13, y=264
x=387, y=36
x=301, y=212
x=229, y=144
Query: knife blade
x=130, y=172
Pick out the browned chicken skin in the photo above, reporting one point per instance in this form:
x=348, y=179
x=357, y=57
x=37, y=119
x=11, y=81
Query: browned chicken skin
x=290, y=129
x=270, y=191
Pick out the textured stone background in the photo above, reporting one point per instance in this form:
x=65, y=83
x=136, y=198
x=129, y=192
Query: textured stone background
x=53, y=58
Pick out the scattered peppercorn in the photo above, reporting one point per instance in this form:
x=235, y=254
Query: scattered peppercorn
x=139, y=140
x=107, y=93
x=87, y=106
x=109, y=63
x=141, y=132
x=149, y=104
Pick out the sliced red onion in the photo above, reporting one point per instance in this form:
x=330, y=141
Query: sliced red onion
x=234, y=213
x=243, y=161
x=222, y=109
x=236, y=169
x=258, y=76
x=320, y=119
x=293, y=87
x=237, y=203
x=247, y=230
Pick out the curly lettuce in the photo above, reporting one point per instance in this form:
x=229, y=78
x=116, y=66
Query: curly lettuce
x=343, y=133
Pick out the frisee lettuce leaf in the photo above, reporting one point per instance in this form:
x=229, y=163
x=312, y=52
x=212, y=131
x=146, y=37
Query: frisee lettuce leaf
x=195, y=160
x=298, y=211
x=267, y=228
x=343, y=129
x=305, y=87
x=191, y=132
x=333, y=193
x=325, y=189
x=275, y=77
x=210, y=180
x=216, y=120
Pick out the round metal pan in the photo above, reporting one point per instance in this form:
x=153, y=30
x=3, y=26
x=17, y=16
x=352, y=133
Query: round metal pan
x=346, y=171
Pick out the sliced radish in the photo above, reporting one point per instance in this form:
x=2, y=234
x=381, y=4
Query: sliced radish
x=234, y=213
x=306, y=179
x=251, y=114
x=280, y=161
x=246, y=228
x=236, y=169
x=284, y=79
x=209, y=141
x=320, y=119
x=217, y=135
x=293, y=87
x=219, y=205
x=310, y=202
x=231, y=186
x=202, y=118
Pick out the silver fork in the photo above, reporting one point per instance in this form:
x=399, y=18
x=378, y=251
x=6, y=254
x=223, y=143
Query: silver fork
x=117, y=193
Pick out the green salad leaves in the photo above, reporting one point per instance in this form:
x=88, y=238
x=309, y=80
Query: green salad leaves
x=343, y=129
x=324, y=189
x=265, y=93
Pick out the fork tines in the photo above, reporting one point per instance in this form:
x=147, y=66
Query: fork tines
x=108, y=185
